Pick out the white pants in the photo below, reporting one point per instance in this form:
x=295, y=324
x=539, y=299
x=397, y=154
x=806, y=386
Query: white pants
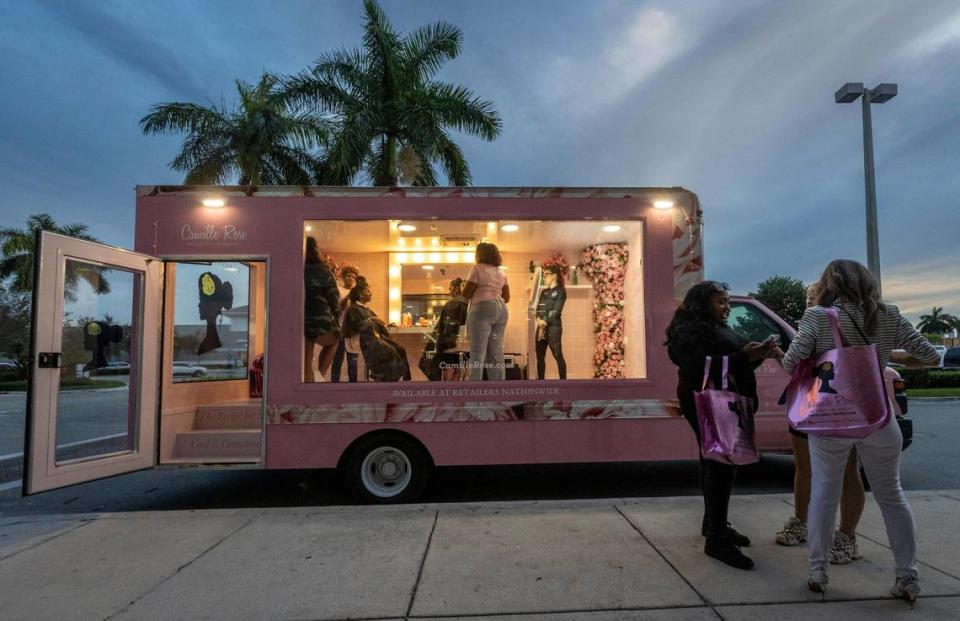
x=880, y=455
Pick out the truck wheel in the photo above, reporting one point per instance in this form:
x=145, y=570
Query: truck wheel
x=386, y=469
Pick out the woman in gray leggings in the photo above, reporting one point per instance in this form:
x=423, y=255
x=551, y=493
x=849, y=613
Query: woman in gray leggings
x=488, y=292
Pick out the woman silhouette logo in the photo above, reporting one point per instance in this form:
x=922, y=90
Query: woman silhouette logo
x=825, y=374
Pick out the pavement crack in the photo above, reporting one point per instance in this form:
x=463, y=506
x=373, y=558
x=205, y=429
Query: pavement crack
x=48, y=539
x=667, y=561
x=919, y=562
x=182, y=567
x=423, y=562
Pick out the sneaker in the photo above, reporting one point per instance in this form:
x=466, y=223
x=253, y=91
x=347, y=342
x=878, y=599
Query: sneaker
x=793, y=533
x=817, y=580
x=737, y=538
x=844, y=549
x=906, y=587
x=722, y=548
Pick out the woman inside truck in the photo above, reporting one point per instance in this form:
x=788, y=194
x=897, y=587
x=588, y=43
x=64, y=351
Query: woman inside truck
x=321, y=312
x=447, y=330
x=549, y=322
x=487, y=315
x=385, y=359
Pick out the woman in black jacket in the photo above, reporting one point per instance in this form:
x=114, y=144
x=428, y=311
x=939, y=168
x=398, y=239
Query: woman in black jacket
x=550, y=321
x=699, y=330
x=447, y=331
x=321, y=312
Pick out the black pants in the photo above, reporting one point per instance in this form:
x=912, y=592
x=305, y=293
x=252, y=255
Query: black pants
x=337, y=361
x=553, y=341
x=716, y=483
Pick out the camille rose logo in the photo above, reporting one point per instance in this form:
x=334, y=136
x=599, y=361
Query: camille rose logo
x=826, y=374
x=212, y=234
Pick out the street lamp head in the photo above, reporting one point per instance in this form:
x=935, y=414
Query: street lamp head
x=849, y=92
x=883, y=93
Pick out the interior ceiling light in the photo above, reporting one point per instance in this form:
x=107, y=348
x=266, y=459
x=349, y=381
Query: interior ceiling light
x=214, y=203
x=308, y=228
x=663, y=204
x=509, y=228
x=611, y=228
x=406, y=228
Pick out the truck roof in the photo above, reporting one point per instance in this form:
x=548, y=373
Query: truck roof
x=423, y=192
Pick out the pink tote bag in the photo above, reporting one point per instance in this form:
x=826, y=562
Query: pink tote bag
x=840, y=393
x=726, y=422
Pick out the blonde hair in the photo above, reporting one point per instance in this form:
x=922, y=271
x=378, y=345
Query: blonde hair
x=847, y=281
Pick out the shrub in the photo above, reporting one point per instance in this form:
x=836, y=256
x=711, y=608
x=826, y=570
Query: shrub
x=930, y=378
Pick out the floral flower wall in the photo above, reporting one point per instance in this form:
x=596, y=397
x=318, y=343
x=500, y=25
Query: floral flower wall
x=606, y=267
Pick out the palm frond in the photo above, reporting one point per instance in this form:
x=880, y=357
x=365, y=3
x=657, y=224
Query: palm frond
x=426, y=49
x=457, y=107
x=454, y=163
x=180, y=117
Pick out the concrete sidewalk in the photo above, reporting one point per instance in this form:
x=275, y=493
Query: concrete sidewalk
x=598, y=560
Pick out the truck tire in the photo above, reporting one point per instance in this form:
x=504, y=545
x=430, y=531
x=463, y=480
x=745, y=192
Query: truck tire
x=386, y=468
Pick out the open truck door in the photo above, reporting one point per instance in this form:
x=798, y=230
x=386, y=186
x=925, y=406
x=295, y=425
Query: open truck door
x=96, y=320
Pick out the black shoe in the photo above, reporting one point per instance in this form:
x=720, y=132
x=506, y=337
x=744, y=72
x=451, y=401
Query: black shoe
x=723, y=549
x=741, y=540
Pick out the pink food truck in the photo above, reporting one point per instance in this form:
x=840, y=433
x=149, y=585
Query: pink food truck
x=201, y=334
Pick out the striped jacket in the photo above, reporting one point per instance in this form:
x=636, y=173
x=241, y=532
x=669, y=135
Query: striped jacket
x=893, y=331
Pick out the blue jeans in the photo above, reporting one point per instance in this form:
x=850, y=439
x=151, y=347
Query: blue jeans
x=486, y=323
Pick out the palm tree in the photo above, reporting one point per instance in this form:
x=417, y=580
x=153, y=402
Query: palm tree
x=937, y=322
x=18, y=247
x=263, y=140
x=393, y=119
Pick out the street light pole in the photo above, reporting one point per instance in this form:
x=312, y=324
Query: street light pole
x=883, y=93
x=870, y=182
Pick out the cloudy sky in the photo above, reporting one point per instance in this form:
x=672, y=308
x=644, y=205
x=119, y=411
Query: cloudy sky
x=731, y=99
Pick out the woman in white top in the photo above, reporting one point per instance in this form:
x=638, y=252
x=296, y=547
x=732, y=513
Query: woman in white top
x=852, y=290
x=487, y=290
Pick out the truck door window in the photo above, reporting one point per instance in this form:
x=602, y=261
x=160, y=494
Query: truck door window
x=210, y=323
x=752, y=324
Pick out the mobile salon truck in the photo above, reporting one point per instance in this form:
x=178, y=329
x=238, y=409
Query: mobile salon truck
x=204, y=326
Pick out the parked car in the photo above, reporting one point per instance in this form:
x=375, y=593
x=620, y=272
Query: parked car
x=185, y=368
x=8, y=364
x=951, y=358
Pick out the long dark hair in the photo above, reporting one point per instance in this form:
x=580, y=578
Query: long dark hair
x=695, y=319
x=312, y=254
x=358, y=288
x=489, y=254
x=844, y=280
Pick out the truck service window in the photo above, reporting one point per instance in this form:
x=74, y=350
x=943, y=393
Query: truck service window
x=211, y=321
x=397, y=301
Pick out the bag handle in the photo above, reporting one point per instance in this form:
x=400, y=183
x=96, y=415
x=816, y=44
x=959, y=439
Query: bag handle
x=857, y=326
x=706, y=372
x=834, y=321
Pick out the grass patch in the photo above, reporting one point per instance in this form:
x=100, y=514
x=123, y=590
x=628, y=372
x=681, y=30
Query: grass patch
x=919, y=393
x=81, y=383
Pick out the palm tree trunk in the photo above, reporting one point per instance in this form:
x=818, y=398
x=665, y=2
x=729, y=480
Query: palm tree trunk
x=387, y=173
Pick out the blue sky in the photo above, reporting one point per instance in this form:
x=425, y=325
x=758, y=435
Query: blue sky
x=731, y=99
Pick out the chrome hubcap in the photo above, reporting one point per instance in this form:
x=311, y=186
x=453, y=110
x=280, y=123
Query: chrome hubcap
x=386, y=472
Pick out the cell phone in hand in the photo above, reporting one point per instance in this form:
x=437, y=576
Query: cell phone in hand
x=773, y=338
